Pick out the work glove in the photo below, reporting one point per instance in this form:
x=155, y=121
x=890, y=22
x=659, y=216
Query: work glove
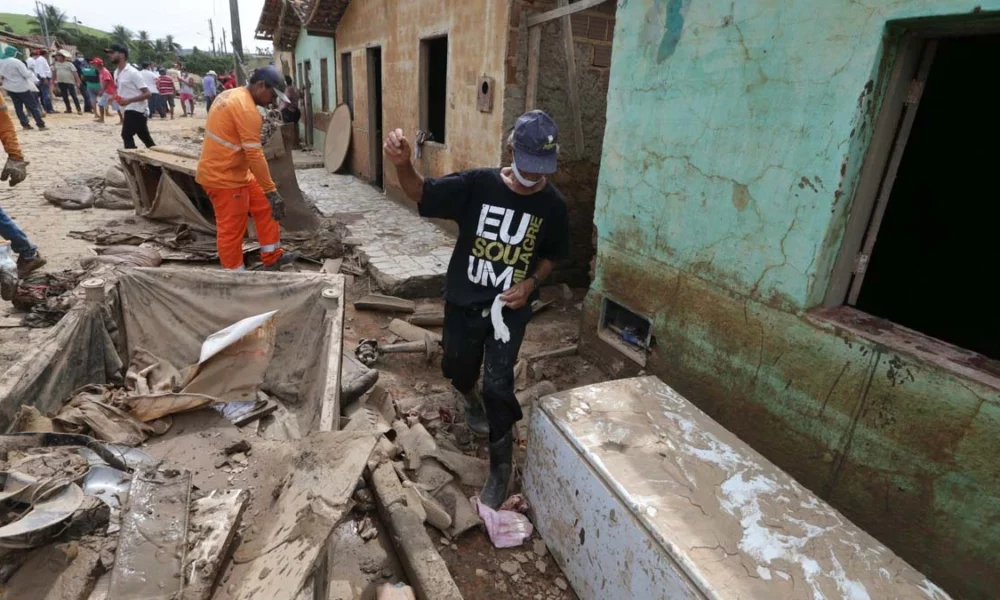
x=15, y=170
x=277, y=205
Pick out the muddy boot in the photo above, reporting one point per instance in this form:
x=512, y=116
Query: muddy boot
x=501, y=465
x=475, y=414
x=286, y=258
x=27, y=266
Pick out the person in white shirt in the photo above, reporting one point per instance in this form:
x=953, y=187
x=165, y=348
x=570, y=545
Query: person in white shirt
x=39, y=65
x=155, y=100
x=133, y=94
x=19, y=83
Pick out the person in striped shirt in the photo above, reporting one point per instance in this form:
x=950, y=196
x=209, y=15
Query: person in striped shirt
x=165, y=85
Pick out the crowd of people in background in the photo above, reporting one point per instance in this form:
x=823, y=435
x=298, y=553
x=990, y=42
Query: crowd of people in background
x=92, y=88
x=134, y=93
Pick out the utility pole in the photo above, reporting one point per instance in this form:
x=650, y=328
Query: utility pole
x=222, y=48
x=45, y=23
x=234, y=15
x=211, y=33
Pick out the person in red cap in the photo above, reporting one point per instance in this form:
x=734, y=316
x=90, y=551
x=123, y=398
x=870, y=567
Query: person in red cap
x=512, y=228
x=108, y=92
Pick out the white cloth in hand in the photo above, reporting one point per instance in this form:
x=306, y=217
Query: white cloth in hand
x=500, y=331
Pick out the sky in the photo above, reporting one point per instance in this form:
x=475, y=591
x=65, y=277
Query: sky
x=186, y=20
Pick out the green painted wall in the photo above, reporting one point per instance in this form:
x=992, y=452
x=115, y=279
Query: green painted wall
x=314, y=48
x=735, y=133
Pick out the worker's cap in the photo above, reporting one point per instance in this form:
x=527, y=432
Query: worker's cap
x=117, y=48
x=65, y=53
x=272, y=79
x=97, y=61
x=211, y=73
x=9, y=52
x=536, y=143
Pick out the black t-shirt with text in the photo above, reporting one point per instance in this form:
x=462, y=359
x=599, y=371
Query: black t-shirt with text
x=501, y=234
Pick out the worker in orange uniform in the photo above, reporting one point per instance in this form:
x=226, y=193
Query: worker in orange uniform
x=235, y=175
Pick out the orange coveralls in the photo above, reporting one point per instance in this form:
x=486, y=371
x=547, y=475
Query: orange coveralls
x=234, y=173
x=8, y=136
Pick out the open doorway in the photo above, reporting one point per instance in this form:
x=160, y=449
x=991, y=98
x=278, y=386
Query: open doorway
x=374, y=56
x=927, y=252
x=307, y=82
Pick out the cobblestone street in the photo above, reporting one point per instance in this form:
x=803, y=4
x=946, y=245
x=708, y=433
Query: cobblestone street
x=71, y=145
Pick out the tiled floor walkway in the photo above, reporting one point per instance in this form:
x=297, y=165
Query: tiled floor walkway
x=406, y=255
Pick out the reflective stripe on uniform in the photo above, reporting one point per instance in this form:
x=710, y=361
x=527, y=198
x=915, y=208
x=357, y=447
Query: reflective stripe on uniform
x=251, y=145
x=270, y=247
x=219, y=140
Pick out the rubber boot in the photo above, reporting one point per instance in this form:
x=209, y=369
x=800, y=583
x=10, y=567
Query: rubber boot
x=475, y=414
x=501, y=465
x=286, y=258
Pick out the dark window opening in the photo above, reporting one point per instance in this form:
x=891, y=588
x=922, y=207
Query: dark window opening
x=324, y=84
x=628, y=332
x=434, y=86
x=347, y=80
x=374, y=56
x=930, y=268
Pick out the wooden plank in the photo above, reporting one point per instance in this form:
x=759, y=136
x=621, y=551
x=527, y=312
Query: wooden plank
x=151, y=156
x=538, y=306
x=557, y=353
x=429, y=318
x=329, y=414
x=565, y=9
x=214, y=521
x=534, y=54
x=571, y=78
x=385, y=303
x=293, y=535
x=412, y=333
x=152, y=544
x=332, y=266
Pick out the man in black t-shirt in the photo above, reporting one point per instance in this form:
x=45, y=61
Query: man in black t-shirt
x=512, y=228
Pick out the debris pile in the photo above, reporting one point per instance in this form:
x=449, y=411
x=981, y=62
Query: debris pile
x=79, y=192
x=46, y=296
x=98, y=515
x=419, y=441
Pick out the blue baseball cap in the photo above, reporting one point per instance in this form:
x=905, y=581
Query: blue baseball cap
x=272, y=78
x=536, y=143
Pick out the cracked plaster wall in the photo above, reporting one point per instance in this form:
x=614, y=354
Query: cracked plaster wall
x=734, y=139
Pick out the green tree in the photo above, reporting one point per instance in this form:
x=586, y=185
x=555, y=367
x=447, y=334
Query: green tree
x=121, y=35
x=89, y=45
x=172, y=46
x=49, y=19
x=199, y=62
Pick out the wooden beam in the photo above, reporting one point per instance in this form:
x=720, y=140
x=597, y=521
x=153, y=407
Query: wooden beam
x=534, y=52
x=565, y=9
x=574, y=93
